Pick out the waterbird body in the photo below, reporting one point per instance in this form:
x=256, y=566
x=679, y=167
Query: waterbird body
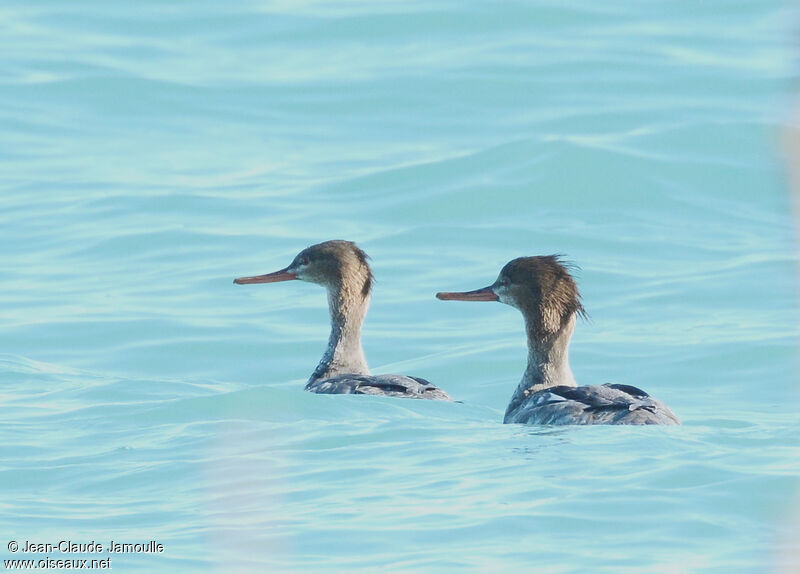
x=342, y=268
x=543, y=289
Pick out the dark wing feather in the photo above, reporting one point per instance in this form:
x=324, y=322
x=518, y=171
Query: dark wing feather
x=385, y=385
x=594, y=404
x=629, y=389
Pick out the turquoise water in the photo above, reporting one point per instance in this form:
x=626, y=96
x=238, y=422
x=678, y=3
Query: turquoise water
x=152, y=152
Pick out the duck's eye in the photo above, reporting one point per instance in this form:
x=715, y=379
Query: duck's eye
x=504, y=282
x=304, y=260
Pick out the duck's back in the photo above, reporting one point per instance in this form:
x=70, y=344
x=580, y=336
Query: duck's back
x=592, y=405
x=384, y=385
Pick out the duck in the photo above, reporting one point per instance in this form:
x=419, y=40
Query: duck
x=545, y=292
x=343, y=269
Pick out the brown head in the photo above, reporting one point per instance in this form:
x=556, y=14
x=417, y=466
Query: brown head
x=333, y=264
x=541, y=287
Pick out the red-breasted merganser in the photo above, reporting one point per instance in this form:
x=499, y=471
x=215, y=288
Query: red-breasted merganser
x=342, y=268
x=547, y=295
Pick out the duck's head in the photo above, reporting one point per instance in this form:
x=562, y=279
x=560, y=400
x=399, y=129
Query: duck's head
x=542, y=288
x=333, y=264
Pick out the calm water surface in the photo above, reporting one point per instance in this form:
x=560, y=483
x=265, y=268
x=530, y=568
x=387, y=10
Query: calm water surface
x=152, y=153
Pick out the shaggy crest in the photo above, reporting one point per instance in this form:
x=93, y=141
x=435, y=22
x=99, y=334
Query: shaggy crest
x=331, y=259
x=544, y=283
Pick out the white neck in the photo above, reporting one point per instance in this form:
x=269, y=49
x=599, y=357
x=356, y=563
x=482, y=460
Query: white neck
x=548, y=362
x=344, y=353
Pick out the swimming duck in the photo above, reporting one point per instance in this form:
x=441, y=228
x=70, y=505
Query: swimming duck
x=543, y=289
x=342, y=268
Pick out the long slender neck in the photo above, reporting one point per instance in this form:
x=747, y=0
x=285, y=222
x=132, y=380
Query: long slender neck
x=548, y=362
x=344, y=354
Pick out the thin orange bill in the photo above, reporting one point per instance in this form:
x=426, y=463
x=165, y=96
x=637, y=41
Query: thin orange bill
x=282, y=275
x=485, y=294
